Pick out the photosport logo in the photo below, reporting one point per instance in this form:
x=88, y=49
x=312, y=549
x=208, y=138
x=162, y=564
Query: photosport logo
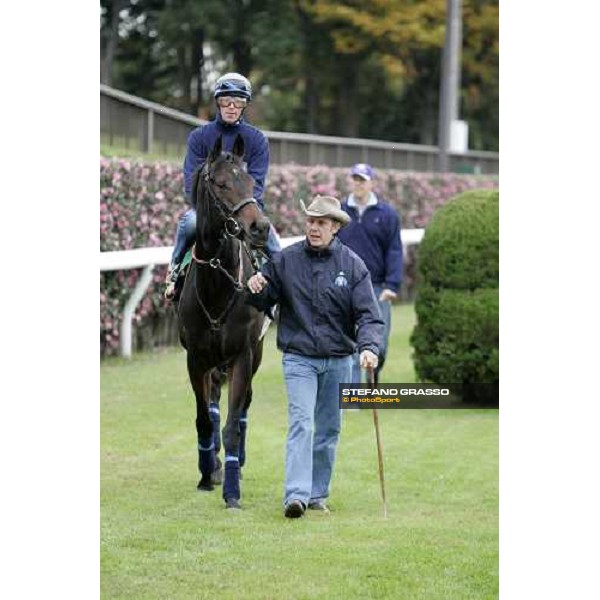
x=414, y=395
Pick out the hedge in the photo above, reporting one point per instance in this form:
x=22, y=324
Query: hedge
x=456, y=338
x=140, y=203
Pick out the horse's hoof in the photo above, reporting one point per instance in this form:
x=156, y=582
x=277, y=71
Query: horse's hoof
x=205, y=486
x=232, y=503
x=216, y=477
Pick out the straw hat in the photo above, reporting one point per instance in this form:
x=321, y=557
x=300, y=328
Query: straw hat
x=326, y=206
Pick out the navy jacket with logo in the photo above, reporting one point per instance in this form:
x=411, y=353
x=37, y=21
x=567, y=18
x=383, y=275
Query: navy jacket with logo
x=326, y=299
x=375, y=237
x=256, y=151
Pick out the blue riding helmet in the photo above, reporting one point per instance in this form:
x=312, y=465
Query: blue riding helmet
x=233, y=84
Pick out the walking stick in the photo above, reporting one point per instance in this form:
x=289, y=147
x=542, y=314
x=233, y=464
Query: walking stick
x=371, y=376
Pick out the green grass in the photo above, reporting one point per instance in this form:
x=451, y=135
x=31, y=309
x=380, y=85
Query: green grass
x=162, y=539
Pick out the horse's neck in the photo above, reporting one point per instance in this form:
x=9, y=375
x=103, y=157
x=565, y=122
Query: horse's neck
x=212, y=285
x=208, y=232
x=210, y=244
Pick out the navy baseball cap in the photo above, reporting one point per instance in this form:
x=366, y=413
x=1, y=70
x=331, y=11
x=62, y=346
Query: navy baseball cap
x=363, y=170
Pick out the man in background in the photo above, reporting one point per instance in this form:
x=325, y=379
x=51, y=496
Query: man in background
x=374, y=234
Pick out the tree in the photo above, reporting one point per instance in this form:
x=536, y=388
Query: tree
x=380, y=35
x=109, y=36
x=181, y=28
x=480, y=90
x=339, y=68
x=403, y=39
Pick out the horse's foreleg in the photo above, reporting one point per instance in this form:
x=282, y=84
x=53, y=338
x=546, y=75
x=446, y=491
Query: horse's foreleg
x=215, y=416
x=240, y=374
x=200, y=380
x=216, y=380
x=257, y=357
x=244, y=426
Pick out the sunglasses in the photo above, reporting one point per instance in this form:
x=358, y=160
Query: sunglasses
x=224, y=101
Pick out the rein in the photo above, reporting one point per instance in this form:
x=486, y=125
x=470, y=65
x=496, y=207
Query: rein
x=215, y=263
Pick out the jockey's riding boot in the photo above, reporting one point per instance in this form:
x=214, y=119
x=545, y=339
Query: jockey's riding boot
x=171, y=280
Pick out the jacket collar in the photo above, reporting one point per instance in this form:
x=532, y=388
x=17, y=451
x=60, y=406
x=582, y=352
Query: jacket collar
x=372, y=201
x=319, y=252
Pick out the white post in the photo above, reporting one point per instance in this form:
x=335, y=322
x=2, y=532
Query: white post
x=450, y=82
x=138, y=293
x=150, y=133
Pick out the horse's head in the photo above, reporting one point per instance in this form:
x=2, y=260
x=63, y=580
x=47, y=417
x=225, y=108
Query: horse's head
x=230, y=189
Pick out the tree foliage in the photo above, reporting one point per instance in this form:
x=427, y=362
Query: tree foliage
x=340, y=68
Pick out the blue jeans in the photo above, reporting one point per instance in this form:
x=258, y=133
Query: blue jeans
x=386, y=313
x=186, y=234
x=313, y=406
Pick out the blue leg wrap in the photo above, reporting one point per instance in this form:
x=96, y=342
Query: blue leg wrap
x=206, y=456
x=215, y=417
x=231, y=485
x=243, y=428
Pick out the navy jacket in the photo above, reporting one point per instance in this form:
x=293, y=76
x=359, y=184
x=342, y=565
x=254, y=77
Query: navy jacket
x=256, y=151
x=326, y=299
x=375, y=237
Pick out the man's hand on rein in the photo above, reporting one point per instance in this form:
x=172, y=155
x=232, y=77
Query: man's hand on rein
x=257, y=283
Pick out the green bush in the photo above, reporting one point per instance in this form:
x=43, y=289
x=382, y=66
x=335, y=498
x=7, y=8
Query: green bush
x=456, y=337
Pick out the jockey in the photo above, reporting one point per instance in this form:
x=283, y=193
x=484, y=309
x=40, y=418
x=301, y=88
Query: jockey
x=232, y=93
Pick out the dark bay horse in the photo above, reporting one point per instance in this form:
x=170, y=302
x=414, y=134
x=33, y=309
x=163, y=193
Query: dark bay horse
x=216, y=326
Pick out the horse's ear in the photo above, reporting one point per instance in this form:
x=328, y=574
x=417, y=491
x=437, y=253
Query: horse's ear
x=216, y=151
x=238, y=146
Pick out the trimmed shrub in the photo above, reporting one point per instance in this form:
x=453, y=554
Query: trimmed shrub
x=456, y=337
x=141, y=201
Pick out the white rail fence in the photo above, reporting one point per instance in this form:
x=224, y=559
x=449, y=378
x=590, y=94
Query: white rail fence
x=149, y=258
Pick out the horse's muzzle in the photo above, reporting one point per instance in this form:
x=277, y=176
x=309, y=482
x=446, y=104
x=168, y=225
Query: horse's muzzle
x=259, y=233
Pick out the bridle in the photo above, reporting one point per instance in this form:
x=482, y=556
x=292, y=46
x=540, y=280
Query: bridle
x=231, y=225
x=231, y=229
